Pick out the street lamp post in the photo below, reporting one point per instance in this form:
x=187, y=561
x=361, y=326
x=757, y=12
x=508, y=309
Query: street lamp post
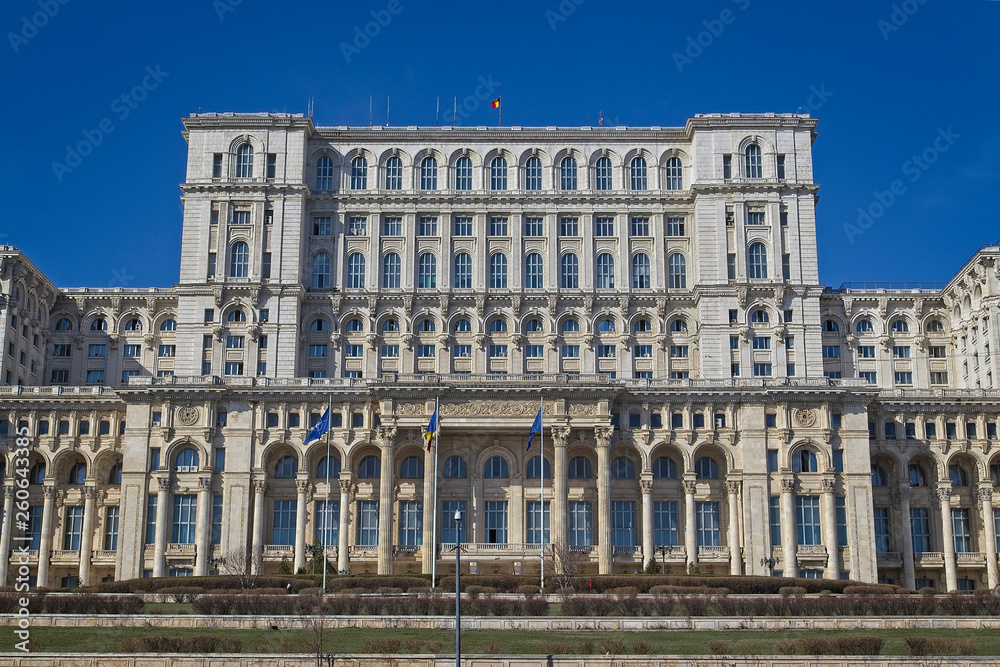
x=769, y=563
x=663, y=550
x=458, y=588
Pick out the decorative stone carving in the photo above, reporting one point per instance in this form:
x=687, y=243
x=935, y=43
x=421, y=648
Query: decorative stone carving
x=188, y=415
x=690, y=486
x=345, y=485
x=582, y=410
x=733, y=487
x=385, y=435
x=646, y=486
x=163, y=483
x=804, y=417
x=788, y=485
x=494, y=409
x=904, y=491
x=944, y=493
x=829, y=484
x=560, y=435
x=90, y=492
x=603, y=435
x=408, y=409
x=205, y=483
x=986, y=493
x=302, y=485
x=259, y=485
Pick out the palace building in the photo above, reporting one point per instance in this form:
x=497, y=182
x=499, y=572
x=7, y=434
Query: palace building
x=706, y=402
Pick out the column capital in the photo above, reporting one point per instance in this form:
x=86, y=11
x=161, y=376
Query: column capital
x=560, y=435
x=385, y=435
x=49, y=491
x=302, y=485
x=903, y=491
x=8, y=490
x=829, y=484
x=943, y=493
x=90, y=492
x=163, y=482
x=602, y=434
x=986, y=492
x=788, y=485
x=345, y=485
x=260, y=485
x=733, y=487
x=646, y=486
x=689, y=486
x=205, y=483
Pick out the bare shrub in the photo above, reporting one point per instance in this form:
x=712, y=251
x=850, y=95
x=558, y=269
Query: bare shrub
x=718, y=648
x=612, y=646
x=642, y=647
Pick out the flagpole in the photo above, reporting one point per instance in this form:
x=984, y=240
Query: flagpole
x=500, y=98
x=434, y=496
x=541, y=506
x=326, y=507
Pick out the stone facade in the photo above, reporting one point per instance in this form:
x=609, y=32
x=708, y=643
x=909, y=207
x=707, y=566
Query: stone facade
x=655, y=290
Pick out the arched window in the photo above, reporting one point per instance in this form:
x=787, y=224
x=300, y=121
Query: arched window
x=622, y=468
x=463, y=271
x=706, y=468
x=64, y=325
x=319, y=324
x=244, y=161
x=567, y=172
x=321, y=271
x=286, y=468
x=391, y=270
x=917, y=477
x=324, y=173
x=429, y=174
x=664, y=468
x=533, y=326
x=878, y=475
x=935, y=326
x=757, y=261
x=804, y=461
x=533, y=174
x=679, y=326
x=100, y=324
x=77, y=474
x=759, y=316
x=675, y=174
x=900, y=326
x=580, y=467
x=37, y=474
x=676, y=271
x=533, y=465
x=393, y=174
x=359, y=173
x=533, y=274
x=134, y=324
x=498, y=271
x=391, y=325
x=496, y=468
x=370, y=468
x=321, y=471
x=830, y=326
x=354, y=324
x=454, y=468
x=864, y=326
x=427, y=271
x=498, y=174
x=168, y=325
x=463, y=174
x=569, y=271
x=753, y=162
x=115, y=474
x=463, y=325
x=606, y=325
x=355, y=271
x=239, y=260
x=412, y=467
x=187, y=460
x=642, y=326
x=640, y=271
x=570, y=326
x=639, y=175
x=605, y=271
x=236, y=315
x=958, y=475
x=603, y=174
x=426, y=325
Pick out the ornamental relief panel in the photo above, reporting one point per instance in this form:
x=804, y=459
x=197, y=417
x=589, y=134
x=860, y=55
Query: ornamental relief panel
x=583, y=410
x=495, y=409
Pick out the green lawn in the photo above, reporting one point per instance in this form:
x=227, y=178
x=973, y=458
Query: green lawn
x=489, y=641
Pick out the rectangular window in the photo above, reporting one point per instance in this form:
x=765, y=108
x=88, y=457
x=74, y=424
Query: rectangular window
x=950, y=431
x=901, y=352
x=937, y=352
x=235, y=342
x=774, y=515
x=643, y=351
x=389, y=351
x=59, y=376
x=498, y=351
x=939, y=377
x=450, y=534
x=881, y=529
x=581, y=524
x=869, y=376
x=462, y=351
x=62, y=350
x=640, y=226
x=807, y=520
x=961, y=530
x=731, y=266
x=131, y=374
x=707, y=515
x=95, y=377
x=920, y=527
x=241, y=217
x=271, y=165
x=679, y=351
x=97, y=351
x=623, y=524
x=217, y=519
x=111, y=517
x=762, y=370
x=182, y=526
x=354, y=351
x=534, y=351
x=234, y=368
x=425, y=351
x=840, y=508
x=537, y=522
x=890, y=430
x=327, y=522
x=838, y=460
x=131, y=351
x=755, y=218
x=498, y=227
x=790, y=342
x=392, y=226
x=216, y=165
x=428, y=227
x=675, y=226
x=604, y=226
x=167, y=351
x=665, y=531
x=322, y=226
x=367, y=523
x=831, y=351
x=283, y=522
x=606, y=351
x=533, y=227
x=903, y=377
x=727, y=166
x=733, y=317
x=786, y=267
x=930, y=430
x=265, y=268
x=570, y=352
x=866, y=351
x=569, y=227
x=357, y=226
x=496, y=522
x=762, y=342
x=463, y=226
x=772, y=460
x=411, y=522
x=73, y=531
x=317, y=351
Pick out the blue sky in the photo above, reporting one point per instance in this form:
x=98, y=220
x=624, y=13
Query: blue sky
x=895, y=78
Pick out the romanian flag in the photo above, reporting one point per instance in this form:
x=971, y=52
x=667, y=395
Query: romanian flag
x=432, y=428
x=496, y=103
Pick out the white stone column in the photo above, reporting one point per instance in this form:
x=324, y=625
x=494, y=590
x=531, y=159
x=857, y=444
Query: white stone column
x=560, y=485
x=789, y=536
x=343, y=528
x=735, y=553
x=428, y=548
x=87, y=536
x=301, y=500
x=648, y=545
x=162, y=519
x=909, y=579
x=385, y=503
x=829, y=503
x=690, y=523
x=605, y=553
x=202, y=533
x=948, y=539
x=45, y=543
x=986, y=499
x=8, y=508
x=257, y=543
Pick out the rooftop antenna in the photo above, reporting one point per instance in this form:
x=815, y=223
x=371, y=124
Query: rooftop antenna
x=387, y=111
x=437, y=112
x=369, y=111
x=600, y=118
x=454, y=116
x=312, y=101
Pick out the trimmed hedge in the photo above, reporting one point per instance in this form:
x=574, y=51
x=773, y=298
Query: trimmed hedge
x=228, y=582
x=78, y=603
x=294, y=605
